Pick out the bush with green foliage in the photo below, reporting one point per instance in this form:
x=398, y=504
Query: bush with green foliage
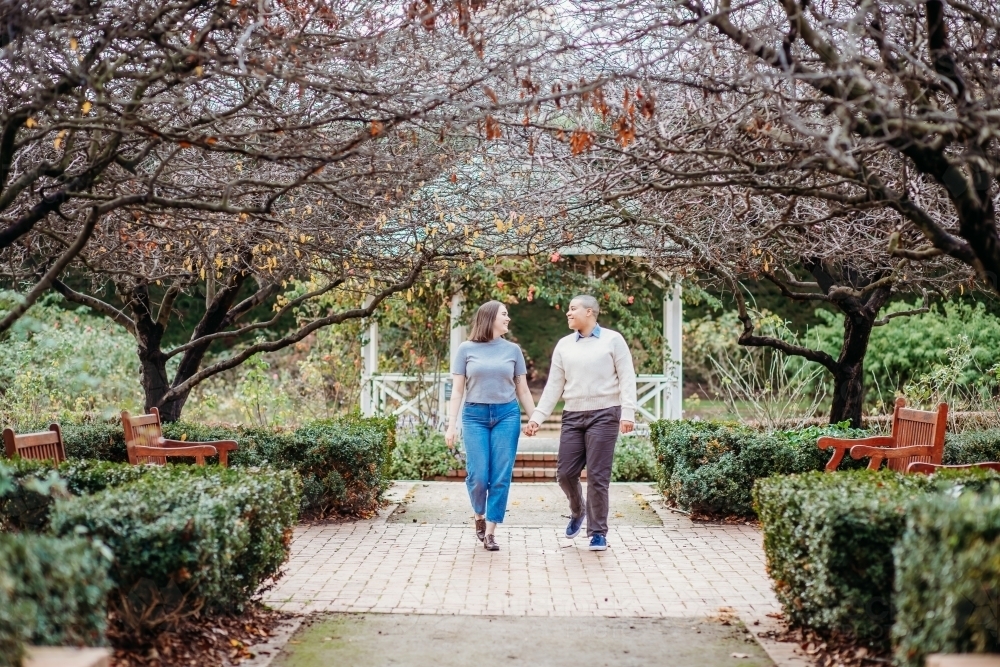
x=948, y=577
x=43, y=369
x=908, y=347
x=634, y=460
x=344, y=463
x=56, y=591
x=26, y=503
x=829, y=538
x=972, y=446
x=709, y=468
x=422, y=453
x=187, y=538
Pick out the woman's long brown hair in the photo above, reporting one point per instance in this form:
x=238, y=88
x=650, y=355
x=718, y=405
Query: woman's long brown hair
x=482, y=322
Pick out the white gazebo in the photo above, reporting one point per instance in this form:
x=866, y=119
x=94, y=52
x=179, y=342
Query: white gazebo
x=424, y=398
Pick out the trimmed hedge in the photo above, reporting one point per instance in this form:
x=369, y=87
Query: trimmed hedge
x=26, y=504
x=187, y=538
x=828, y=539
x=972, y=447
x=56, y=592
x=947, y=587
x=344, y=463
x=709, y=468
x=634, y=460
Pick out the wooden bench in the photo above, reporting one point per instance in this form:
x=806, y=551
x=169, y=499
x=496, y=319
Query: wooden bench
x=915, y=446
x=917, y=437
x=40, y=446
x=146, y=444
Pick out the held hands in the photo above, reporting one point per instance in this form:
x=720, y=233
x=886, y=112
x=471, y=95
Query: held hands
x=531, y=429
x=450, y=436
x=627, y=427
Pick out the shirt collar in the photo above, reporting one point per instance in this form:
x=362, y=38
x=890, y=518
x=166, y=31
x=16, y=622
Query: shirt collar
x=596, y=333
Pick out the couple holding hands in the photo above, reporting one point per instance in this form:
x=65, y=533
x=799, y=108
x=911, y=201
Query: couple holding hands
x=591, y=371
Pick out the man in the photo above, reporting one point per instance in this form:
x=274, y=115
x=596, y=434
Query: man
x=592, y=371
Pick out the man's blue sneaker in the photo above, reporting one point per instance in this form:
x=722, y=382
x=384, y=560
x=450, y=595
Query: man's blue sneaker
x=574, y=526
x=597, y=542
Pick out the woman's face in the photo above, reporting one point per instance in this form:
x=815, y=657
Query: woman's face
x=502, y=322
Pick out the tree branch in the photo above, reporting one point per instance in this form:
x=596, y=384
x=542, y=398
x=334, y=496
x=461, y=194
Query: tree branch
x=270, y=346
x=53, y=272
x=96, y=304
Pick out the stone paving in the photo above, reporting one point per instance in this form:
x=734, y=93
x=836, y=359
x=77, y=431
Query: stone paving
x=677, y=569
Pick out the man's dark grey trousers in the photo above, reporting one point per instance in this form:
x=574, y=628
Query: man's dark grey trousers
x=588, y=439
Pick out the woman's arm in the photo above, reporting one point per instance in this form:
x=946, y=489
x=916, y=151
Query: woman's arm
x=457, y=393
x=524, y=396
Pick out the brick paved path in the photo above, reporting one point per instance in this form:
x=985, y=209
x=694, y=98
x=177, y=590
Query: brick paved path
x=681, y=568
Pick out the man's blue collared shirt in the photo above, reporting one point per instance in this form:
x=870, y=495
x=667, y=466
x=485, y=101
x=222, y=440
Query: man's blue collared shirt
x=596, y=333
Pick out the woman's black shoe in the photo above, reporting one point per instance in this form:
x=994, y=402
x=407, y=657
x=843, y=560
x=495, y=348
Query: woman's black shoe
x=490, y=544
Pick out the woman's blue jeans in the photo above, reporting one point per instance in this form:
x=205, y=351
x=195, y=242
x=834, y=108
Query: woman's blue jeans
x=490, y=432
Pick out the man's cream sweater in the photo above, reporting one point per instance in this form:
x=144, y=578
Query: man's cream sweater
x=590, y=373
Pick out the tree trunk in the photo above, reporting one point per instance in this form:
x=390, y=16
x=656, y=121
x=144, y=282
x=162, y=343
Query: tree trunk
x=849, y=376
x=848, y=394
x=155, y=384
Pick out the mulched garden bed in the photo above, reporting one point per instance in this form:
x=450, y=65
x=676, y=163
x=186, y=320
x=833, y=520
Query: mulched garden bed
x=832, y=651
x=218, y=640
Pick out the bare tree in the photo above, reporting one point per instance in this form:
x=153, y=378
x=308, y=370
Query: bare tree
x=236, y=150
x=637, y=171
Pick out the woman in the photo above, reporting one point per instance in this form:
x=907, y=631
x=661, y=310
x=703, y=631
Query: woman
x=490, y=373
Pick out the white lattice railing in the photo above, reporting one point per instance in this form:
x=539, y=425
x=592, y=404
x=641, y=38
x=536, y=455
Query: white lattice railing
x=425, y=398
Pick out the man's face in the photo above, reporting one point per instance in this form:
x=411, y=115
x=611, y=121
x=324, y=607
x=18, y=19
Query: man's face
x=577, y=316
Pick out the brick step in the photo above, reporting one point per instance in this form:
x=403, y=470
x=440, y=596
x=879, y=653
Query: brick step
x=522, y=474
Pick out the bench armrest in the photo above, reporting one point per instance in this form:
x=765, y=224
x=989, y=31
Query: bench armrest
x=199, y=452
x=223, y=447
x=861, y=451
x=841, y=445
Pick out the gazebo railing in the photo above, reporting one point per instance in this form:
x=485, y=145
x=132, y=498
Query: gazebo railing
x=424, y=399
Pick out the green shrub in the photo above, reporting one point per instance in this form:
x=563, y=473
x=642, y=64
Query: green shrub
x=972, y=446
x=710, y=467
x=26, y=504
x=56, y=590
x=187, y=538
x=423, y=454
x=27, y=498
x=828, y=539
x=344, y=463
x=634, y=460
x=948, y=577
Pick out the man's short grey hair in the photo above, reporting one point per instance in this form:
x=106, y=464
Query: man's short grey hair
x=588, y=301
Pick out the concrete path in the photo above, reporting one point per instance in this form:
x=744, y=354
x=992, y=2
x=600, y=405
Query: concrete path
x=379, y=640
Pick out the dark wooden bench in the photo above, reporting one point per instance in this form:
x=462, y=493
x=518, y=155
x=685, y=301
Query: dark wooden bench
x=40, y=446
x=146, y=444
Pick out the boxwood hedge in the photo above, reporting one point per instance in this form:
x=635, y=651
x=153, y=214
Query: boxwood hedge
x=187, y=538
x=947, y=588
x=972, y=446
x=828, y=539
x=344, y=463
x=26, y=503
x=710, y=467
x=54, y=591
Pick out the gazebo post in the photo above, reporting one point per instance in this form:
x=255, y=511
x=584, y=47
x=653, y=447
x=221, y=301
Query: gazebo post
x=673, y=319
x=457, y=337
x=369, y=367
